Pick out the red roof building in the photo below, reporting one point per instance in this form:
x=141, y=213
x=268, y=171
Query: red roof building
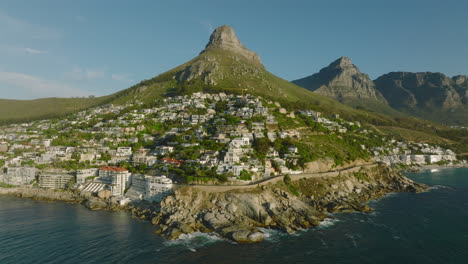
x=112, y=168
x=172, y=161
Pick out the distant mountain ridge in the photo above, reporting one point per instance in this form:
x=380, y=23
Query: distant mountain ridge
x=428, y=95
x=432, y=96
x=342, y=81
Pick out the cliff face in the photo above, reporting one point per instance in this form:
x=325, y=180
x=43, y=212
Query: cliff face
x=207, y=67
x=426, y=94
x=224, y=38
x=287, y=206
x=343, y=81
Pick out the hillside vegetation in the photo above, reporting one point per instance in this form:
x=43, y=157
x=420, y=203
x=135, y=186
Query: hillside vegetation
x=17, y=111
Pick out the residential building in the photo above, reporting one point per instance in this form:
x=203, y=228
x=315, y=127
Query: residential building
x=118, y=178
x=19, y=175
x=81, y=175
x=150, y=188
x=54, y=179
x=124, y=151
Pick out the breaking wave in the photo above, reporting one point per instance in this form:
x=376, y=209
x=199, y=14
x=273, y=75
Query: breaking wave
x=327, y=222
x=438, y=187
x=194, y=241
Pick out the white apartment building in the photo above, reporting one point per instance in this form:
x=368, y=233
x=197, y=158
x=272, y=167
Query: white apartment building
x=124, y=151
x=150, y=188
x=54, y=180
x=118, y=178
x=81, y=175
x=19, y=175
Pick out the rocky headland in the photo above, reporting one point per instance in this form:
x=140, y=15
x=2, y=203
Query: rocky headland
x=239, y=213
x=295, y=202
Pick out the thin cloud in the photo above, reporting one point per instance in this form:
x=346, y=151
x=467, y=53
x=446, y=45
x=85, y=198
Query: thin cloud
x=12, y=27
x=121, y=77
x=81, y=74
x=34, y=51
x=11, y=50
x=28, y=86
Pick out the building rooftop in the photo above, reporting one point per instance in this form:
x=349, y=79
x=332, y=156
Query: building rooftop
x=112, y=168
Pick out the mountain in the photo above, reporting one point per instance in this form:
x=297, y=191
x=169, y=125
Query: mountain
x=225, y=64
x=428, y=95
x=343, y=81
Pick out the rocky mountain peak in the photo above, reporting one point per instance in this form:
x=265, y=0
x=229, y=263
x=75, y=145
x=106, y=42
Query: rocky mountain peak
x=342, y=62
x=225, y=38
x=342, y=81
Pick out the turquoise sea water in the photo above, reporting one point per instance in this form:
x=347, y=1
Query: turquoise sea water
x=430, y=227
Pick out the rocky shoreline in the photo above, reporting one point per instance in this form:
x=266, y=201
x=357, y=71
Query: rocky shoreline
x=288, y=205
x=141, y=210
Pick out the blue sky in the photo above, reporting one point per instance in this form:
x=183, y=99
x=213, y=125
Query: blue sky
x=77, y=48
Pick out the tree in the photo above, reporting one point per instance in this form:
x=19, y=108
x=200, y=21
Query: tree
x=261, y=147
x=76, y=156
x=105, y=156
x=245, y=175
x=220, y=107
x=287, y=179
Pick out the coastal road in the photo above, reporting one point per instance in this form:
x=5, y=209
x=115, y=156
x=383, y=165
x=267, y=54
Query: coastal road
x=273, y=180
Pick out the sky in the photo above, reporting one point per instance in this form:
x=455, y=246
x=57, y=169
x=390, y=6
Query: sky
x=67, y=48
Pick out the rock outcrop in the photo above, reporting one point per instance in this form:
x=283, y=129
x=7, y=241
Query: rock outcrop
x=224, y=38
x=427, y=94
x=42, y=194
x=239, y=215
x=223, y=48
x=343, y=81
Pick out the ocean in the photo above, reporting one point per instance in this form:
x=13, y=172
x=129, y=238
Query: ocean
x=430, y=227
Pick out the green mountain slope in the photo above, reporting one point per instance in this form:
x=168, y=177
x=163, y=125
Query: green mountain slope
x=14, y=111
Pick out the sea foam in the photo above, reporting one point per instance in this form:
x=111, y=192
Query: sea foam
x=194, y=241
x=327, y=222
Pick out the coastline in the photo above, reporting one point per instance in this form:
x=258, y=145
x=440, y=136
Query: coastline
x=241, y=214
x=433, y=167
x=288, y=206
x=141, y=209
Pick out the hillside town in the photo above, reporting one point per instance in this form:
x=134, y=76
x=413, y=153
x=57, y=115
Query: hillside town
x=141, y=151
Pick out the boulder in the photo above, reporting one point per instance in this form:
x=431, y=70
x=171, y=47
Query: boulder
x=247, y=236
